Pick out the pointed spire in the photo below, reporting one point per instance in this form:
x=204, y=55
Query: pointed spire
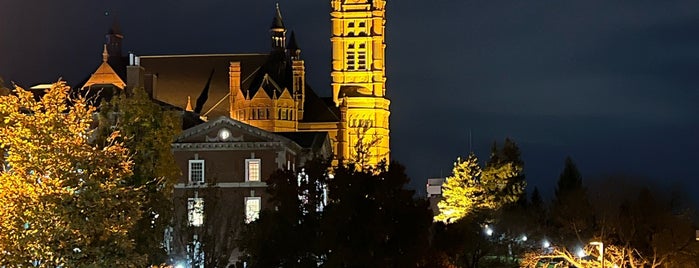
x=105, y=54
x=293, y=47
x=292, y=42
x=189, y=105
x=277, y=22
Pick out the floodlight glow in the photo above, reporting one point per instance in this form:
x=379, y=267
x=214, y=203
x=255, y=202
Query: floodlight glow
x=179, y=265
x=524, y=238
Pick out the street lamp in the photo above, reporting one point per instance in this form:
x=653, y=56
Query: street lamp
x=600, y=246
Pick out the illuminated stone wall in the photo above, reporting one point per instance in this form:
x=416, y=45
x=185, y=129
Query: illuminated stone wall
x=359, y=76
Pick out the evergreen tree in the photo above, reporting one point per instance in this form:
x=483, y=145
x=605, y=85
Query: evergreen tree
x=572, y=214
x=462, y=192
x=147, y=131
x=569, y=181
x=66, y=202
x=504, y=175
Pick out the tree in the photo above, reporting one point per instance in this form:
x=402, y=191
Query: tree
x=462, y=192
x=504, y=174
x=572, y=215
x=66, y=202
x=363, y=152
x=373, y=221
x=470, y=187
x=288, y=235
x=3, y=90
x=147, y=131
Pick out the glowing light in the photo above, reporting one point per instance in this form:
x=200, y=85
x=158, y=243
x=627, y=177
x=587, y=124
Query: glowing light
x=180, y=265
x=488, y=230
x=546, y=244
x=581, y=253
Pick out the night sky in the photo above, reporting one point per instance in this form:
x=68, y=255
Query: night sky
x=611, y=83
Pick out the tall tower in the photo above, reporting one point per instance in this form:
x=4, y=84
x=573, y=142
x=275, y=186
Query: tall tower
x=114, y=38
x=359, y=79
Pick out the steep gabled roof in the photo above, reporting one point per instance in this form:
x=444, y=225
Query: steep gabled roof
x=317, y=109
x=179, y=76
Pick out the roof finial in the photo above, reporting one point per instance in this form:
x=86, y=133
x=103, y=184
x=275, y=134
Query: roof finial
x=105, y=54
x=278, y=22
x=189, y=105
x=279, y=11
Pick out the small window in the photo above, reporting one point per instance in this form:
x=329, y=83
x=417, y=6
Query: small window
x=196, y=171
x=195, y=211
x=252, y=208
x=362, y=45
x=362, y=24
x=252, y=169
x=350, y=25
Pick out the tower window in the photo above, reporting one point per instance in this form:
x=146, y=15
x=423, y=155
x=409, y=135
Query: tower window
x=362, y=24
x=351, y=25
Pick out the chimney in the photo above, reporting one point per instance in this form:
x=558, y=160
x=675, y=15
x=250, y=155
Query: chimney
x=234, y=86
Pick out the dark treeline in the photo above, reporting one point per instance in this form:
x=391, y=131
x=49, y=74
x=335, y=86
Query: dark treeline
x=372, y=220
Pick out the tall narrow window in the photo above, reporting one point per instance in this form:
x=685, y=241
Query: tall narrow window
x=195, y=211
x=252, y=208
x=252, y=169
x=351, y=54
x=196, y=171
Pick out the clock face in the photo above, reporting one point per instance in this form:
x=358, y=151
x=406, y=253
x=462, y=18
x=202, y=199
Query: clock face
x=224, y=134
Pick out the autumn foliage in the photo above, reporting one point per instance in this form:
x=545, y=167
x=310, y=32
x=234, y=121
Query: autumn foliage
x=65, y=202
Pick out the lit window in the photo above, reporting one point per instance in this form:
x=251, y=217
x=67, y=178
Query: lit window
x=252, y=208
x=252, y=169
x=195, y=209
x=196, y=171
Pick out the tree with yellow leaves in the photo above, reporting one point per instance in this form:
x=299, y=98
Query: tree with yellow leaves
x=471, y=188
x=462, y=191
x=65, y=202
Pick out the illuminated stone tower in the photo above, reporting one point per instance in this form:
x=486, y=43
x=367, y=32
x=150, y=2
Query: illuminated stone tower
x=359, y=78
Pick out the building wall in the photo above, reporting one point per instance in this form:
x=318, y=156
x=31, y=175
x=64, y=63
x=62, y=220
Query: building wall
x=224, y=190
x=359, y=77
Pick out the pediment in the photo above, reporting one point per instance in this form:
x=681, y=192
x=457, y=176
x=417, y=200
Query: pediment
x=227, y=130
